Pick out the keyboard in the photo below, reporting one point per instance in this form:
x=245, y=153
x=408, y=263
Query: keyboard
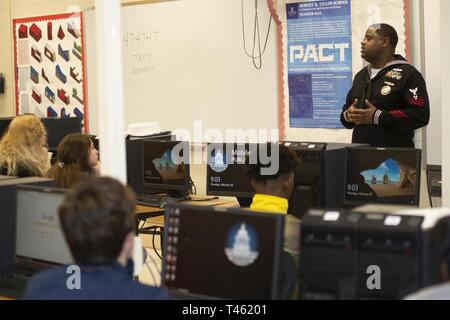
x=150, y=200
x=156, y=200
x=13, y=284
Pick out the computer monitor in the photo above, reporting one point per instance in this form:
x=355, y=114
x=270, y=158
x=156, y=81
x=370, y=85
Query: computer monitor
x=382, y=175
x=226, y=173
x=8, y=189
x=235, y=256
x=133, y=147
x=166, y=166
x=4, y=124
x=58, y=128
x=39, y=234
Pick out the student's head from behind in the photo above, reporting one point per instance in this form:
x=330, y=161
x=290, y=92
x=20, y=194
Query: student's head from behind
x=97, y=219
x=440, y=246
x=280, y=183
x=76, y=159
x=24, y=146
x=380, y=39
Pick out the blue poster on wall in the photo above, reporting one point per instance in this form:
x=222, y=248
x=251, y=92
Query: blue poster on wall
x=319, y=62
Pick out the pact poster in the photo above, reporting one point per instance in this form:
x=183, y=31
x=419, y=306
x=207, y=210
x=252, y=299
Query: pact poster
x=319, y=62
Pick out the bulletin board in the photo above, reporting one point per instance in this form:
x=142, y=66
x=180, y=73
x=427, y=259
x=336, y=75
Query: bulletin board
x=49, y=66
x=363, y=14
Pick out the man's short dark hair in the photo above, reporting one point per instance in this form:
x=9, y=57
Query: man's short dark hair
x=288, y=160
x=388, y=31
x=96, y=217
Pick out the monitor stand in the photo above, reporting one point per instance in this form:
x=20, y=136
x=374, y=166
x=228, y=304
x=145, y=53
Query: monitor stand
x=244, y=202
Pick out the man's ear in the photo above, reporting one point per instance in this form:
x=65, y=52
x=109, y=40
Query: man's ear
x=386, y=42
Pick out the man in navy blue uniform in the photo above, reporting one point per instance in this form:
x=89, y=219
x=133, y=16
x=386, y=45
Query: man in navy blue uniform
x=98, y=223
x=388, y=99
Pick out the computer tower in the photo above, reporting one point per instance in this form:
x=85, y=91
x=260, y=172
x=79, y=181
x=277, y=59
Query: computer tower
x=309, y=177
x=392, y=244
x=373, y=252
x=319, y=177
x=8, y=189
x=328, y=255
x=429, y=262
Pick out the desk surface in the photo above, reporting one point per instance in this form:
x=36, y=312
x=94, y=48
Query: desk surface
x=225, y=202
x=221, y=202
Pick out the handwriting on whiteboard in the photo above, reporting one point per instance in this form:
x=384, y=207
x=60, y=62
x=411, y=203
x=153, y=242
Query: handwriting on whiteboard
x=141, y=63
x=140, y=39
x=138, y=48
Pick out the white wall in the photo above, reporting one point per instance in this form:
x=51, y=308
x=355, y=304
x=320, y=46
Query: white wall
x=432, y=73
x=445, y=82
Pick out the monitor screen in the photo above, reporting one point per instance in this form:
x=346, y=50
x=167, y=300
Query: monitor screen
x=38, y=231
x=227, y=171
x=4, y=124
x=58, y=128
x=166, y=165
x=236, y=256
x=382, y=175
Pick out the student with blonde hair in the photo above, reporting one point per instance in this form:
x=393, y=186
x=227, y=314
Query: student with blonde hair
x=76, y=159
x=23, y=148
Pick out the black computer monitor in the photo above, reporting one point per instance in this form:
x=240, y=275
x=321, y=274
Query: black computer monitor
x=39, y=235
x=8, y=189
x=4, y=124
x=58, y=128
x=134, y=148
x=382, y=175
x=235, y=256
x=166, y=166
x=226, y=173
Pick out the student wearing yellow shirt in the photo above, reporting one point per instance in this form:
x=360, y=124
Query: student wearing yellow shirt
x=272, y=194
x=273, y=191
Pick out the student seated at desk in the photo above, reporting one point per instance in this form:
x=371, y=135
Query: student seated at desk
x=23, y=148
x=76, y=160
x=440, y=246
x=97, y=219
x=272, y=194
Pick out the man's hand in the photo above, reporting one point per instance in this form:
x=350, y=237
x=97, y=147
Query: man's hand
x=349, y=112
x=362, y=116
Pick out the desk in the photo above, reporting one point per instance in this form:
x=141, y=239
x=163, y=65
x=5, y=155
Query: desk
x=155, y=216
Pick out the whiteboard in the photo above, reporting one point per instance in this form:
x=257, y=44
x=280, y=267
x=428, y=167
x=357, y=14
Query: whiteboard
x=184, y=61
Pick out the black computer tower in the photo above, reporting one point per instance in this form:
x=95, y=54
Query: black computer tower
x=319, y=177
x=392, y=244
x=342, y=250
x=328, y=255
x=309, y=177
x=8, y=202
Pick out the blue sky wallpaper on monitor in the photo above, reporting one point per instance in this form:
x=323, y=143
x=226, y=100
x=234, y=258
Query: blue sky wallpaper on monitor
x=389, y=167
